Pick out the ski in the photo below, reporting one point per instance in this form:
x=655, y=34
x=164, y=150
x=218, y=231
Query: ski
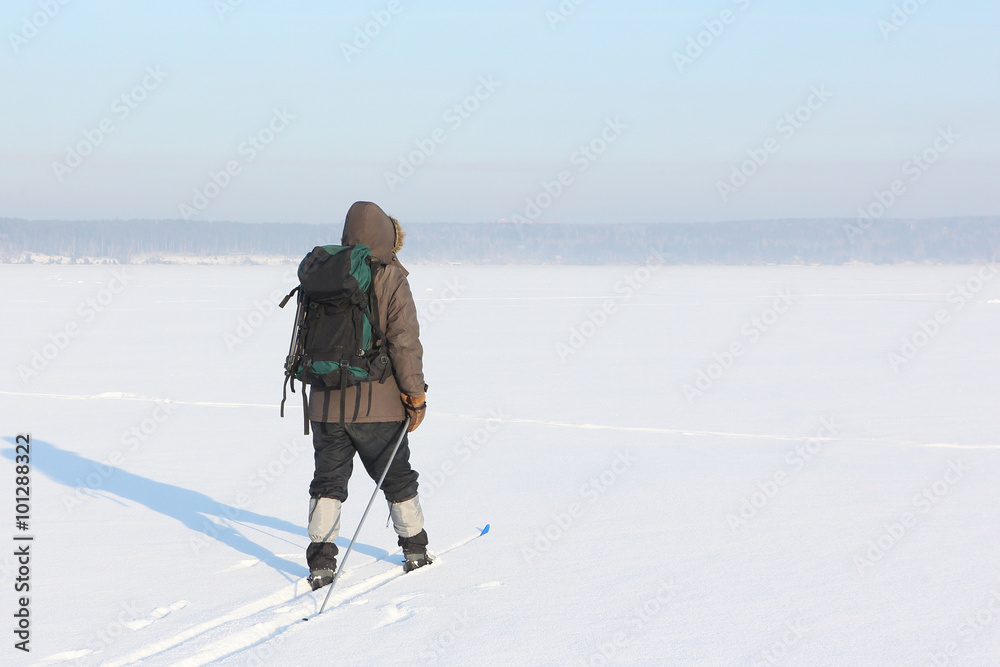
x=390, y=575
x=270, y=605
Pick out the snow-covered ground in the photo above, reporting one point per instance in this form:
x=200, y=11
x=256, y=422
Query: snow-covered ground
x=811, y=499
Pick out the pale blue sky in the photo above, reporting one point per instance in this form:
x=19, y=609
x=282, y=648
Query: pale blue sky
x=679, y=133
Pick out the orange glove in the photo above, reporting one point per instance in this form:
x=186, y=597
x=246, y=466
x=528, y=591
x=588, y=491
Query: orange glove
x=416, y=407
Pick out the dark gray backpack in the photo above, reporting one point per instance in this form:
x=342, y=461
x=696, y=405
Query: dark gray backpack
x=337, y=342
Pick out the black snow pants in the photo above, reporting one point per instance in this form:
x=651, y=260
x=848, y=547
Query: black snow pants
x=334, y=446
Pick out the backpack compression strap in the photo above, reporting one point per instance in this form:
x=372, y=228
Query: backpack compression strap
x=377, y=332
x=343, y=389
x=305, y=411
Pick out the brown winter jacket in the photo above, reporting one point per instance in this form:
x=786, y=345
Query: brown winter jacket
x=367, y=223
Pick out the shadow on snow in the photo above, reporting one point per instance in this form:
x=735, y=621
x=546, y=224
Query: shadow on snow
x=189, y=507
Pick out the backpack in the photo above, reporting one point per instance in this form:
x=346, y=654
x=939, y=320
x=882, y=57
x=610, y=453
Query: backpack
x=337, y=342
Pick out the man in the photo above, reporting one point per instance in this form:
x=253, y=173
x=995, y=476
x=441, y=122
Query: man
x=373, y=432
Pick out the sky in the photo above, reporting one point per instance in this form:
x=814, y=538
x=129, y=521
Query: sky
x=572, y=111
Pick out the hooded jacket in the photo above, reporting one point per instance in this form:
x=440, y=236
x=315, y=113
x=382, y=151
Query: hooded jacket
x=366, y=223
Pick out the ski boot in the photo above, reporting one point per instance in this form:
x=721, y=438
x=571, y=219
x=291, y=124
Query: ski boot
x=320, y=578
x=413, y=561
x=321, y=558
x=415, y=551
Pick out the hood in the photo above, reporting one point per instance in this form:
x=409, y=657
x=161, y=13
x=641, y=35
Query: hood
x=368, y=224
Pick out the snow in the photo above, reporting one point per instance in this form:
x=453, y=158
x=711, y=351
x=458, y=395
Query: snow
x=169, y=499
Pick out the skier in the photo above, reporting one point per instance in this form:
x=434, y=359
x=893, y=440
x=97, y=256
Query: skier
x=371, y=434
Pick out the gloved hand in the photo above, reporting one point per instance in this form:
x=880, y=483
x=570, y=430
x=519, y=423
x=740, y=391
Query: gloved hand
x=416, y=407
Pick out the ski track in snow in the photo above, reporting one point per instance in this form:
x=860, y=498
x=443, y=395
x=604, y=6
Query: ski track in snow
x=688, y=433
x=276, y=615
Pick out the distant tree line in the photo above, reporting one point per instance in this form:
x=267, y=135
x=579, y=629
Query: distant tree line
x=952, y=240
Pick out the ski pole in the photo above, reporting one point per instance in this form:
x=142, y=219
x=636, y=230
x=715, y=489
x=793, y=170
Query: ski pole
x=392, y=457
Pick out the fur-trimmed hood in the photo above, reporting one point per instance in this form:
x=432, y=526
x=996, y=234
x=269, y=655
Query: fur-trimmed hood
x=367, y=223
x=400, y=234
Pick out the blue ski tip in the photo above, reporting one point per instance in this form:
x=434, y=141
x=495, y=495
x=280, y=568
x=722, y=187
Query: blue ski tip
x=485, y=530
